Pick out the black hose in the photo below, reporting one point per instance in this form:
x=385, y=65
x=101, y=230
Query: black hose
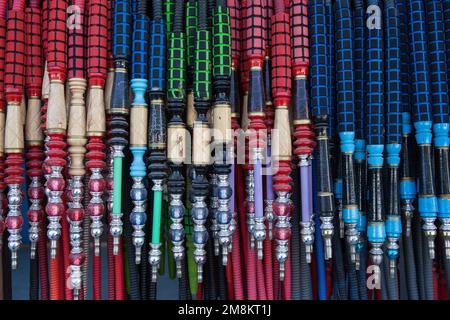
x=157, y=10
x=145, y=269
x=7, y=285
x=128, y=231
x=353, y=288
x=221, y=277
x=362, y=275
x=428, y=273
x=339, y=286
x=410, y=268
x=418, y=248
x=295, y=240
x=402, y=272
x=202, y=15
x=383, y=281
x=392, y=282
x=306, y=292
x=178, y=16
x=34, y=279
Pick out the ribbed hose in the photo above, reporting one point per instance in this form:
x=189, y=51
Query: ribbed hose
x=229, y=272
x=353, y=288
x=428, y=274
x=7, y=290
x=157, y=9
x=392, y=281
x=402, y=280
x=111, y=270
x=339, y=290
x=237, y=266
x=86, y=238
x=297, y=267
x=34, y=278
x=96, y=277
x=268, y=268
x=287, y=282
x=210, y=289
x=119, y=276
x=43, y=264
x=222, y=279
x=144, y=269
x=306, y=292
x=261, y=286
x=183, y=285
x=66, y=252
x=383, y=290
x=447, y=274
x=417, y=241
x=55, y=283
x=276, y=275
x=410, y=268
x=361, y=273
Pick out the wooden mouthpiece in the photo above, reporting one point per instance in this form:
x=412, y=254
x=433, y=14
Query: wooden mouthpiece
x=138, y=126
x=96, y=112
x=14, y=129
x=33, y=131
x=56, y=111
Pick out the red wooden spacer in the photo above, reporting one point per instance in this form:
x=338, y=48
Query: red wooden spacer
x=95, y=154
x=304, y=139
x=281, y=180
x=14, y=168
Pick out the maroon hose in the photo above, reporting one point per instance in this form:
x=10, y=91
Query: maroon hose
x=111, y=270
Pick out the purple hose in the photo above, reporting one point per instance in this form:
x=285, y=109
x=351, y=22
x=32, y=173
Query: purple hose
x=306, y=184
x=232, y=189
x=269, y=190
x=257, y=173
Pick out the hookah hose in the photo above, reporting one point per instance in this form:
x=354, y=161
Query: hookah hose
x=407, y=179
x=428, y=204
x=33, y=136
x=346, y=120
x=3, y=272
x=14, y=140
x=376, y=231
x=76, y=141
x=320, y=112
x=281, y=92
x=360, y=144
x=446, y=11
x=440, y=108
x=157, y=130
x=394, y=143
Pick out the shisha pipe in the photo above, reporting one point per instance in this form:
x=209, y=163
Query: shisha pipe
x=138, y=125
x=157, y=129
x=33, y=132
x=221, y=114
x=95, y=125
x=201, y=138
x=376, y=231
x=393, y=133
x=428, y=203
x=119, y=109
x=440, y=107
x=253, y=35
x=303, y=131
x=76, y=141
x=56, y=122
x=281, y=92
x=14, y=90
x=346, y=119
x=3, y=199
x=320, y=109
x=360, y=142
x=176, y=133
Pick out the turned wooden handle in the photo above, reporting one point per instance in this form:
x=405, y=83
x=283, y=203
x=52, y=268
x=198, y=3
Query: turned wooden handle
x=76, y=134
x=14, y=129
x=222, y=123
x=56, y=112
x=96, y=112
x=191, y=114
x=281, y=136
x=201, y=146
x=33, y=131
x=138, y=125
x=108, y=90
x=176, y=144
x=45, y=84
x=2, y=132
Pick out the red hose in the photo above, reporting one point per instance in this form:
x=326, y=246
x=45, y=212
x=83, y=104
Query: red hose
x=118, y=269
x=200, y=291
x=56, y=279
x=66, y=252
x=229, y=273
x=329, y=278
x=240, y=196
x=268, y=270
x=96, y=277
x=111, y=270
x=287, y=283
x=435, y=283
x=42, y=258
x=443, y=293
x=237, y=266
x=276, y=275
x=260, y=280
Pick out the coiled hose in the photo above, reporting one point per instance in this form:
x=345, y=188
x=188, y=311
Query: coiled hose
x=306, y=292
x=86, y=238
x=428, y=273
x=353, y=285
x=339, y=288
x=34, y=278
x=111, y=270
x=42, y=260
x=362, y=276
x=410, y=268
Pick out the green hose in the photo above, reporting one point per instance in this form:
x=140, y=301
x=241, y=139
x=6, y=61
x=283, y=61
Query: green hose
x=117, y=190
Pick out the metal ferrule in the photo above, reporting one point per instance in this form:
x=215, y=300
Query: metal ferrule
x=54, y=226
x=250, y=189
x=96, y=221
x=224, y=215
x=307, y=236
x=138, y=215
x=15, y=239
x=282, y=222
x=200, y=234
x=176, y=213
x=268, y=214
x=214, y=204
x=33, y=231
x=76, y=281
x=155, y=259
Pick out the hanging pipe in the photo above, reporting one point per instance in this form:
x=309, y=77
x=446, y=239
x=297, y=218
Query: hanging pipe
x=440, y=108
x=201, y=139
x=76, y=141
x=428, y=204
x=376, y=231
x=221, y=118
x=157, y=130
x=14, y=142
x=393, y=137
x=138, y=126
x=303, y=132
x=320, y=112
x=346, y=120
